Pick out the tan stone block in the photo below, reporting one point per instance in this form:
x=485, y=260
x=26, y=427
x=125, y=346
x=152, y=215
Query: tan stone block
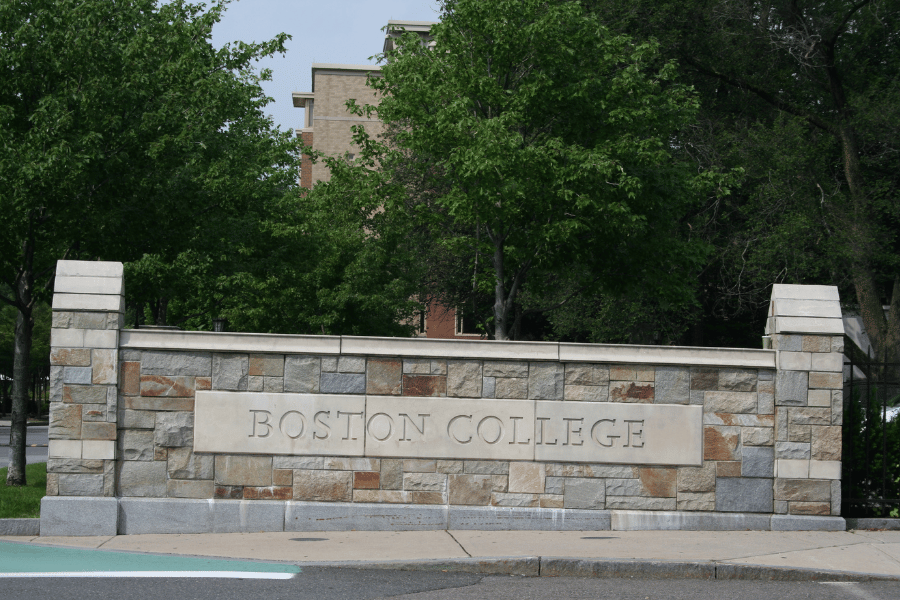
x=658, y=481
x=383, y=376
x=425, y=385
x=464, y=378
x=526, y=477
x=282, y=477
x=427, y=498
x=103, y=367
x=449, y=466
x=803, y=490
x=523, y=500
x=816, y=343
x=730, y=402
x=381, y=496
x=412, y=465
x=177, y=488
x=85, y=394
x=472, y=490
x=511, y=387
x=622, y=373
x=721, y=443
x=696, y=501
x=819, y=398
x=564, y=470
x=70, y=357
x=323, y=486
x=799, y=433
x=130, y=378
x=809, y=416
x=244, y=470
x=552, y=501
x=631, y=391
x=697, y=479
x=98, y=431
x=826, y=443
x=757, y=436
x=810, y=508
x=425, y=482
x=586, y=393
x=53, y=484
x=159, y=385
x=499, y=483
x=826, y=381
x=268, y=493
x=728, y=469
x=268, y=365
x=150, y=403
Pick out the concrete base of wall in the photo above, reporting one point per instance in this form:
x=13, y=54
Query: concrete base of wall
x=20, y=527
x=73, y=516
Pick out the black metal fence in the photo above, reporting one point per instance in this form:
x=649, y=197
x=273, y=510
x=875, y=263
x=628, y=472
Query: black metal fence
x=871, y=454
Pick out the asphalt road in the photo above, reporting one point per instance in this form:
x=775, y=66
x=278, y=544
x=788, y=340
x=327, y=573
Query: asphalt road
x=36, y=451
x=352, y=584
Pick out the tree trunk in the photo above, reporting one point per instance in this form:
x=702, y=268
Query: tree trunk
x=21, y=379
x=501, y=306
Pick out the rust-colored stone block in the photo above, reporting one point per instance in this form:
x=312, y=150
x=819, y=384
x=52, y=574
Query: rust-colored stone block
x=631, y=391
x=658, y=482
x=424, y=385
x=719, y=443
x=229, y=492
x=810, y=508
x=323, y=486
x=366, y=480
x=151, y=403
x=160, y=453
x=282, y=477
x=704, y=379
x=130, y=378
x=268, y=493
x=203, y=383
x=384, y=376
x=71, y=357
x=159, y=385
x=728, y=469
x=426, y=497
x=268, y=365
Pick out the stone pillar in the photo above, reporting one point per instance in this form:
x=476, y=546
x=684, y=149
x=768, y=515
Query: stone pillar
x=807, y=331
x=88, y=312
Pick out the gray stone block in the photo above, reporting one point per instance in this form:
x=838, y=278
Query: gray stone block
x=504, y=368
x=339, y=516
x=174, y=429
x=231, y=372
x=737, y=380
x=805, y=523
x=139, y=478
x=496, y=518
x=343, y=383
x=165, y=515
x=766, y=403
x=136, y=444
x=301, y=374
x=464, y=378
x=791, y=388
x=792, y=450
x=56, y=384
x=137, y=419
x=787, y=343
x=29, y=527
x=156, y=362
x=72, y=516
x=739, y=494
x=641, y=520
x=190, y=488
x=184, y=464
x=351, y=364
x=673, y=385
x=77, y=375
x=757, y=461
x=545, y=381
x=247, y=516
x=766, y=375
x=80, y=484
x=584, y=493
x=488, y=387
x=298, y=462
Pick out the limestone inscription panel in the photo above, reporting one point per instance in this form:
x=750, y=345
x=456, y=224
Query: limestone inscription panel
x=602, y=432
x=450, y=428
x=252, y=423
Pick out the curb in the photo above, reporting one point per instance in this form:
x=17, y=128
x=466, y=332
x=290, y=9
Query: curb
x=549, y=566
x=24, y=527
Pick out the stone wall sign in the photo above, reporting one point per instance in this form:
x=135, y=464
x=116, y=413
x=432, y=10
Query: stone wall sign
x=409, y=427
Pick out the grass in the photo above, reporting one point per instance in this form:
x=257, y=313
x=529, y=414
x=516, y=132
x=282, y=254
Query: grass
x=24, y=502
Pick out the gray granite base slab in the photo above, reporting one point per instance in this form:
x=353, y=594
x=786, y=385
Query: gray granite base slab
x=645, y=520
x=165, y=515
x=79, y=516
x=247, y=516
x=333, y=516
x=804, y=523
x=874, y=523
x=500, y=518
x=30, y=527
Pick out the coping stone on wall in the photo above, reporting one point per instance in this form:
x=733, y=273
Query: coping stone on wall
x=667, y=355
x=642, y=520
x=78, y=516
x=499, y=518
x=165, y=515
x=435, y=348
x=332, y=516
x=229, y=342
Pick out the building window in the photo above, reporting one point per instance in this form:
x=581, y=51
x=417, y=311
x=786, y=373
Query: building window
x=466, y=324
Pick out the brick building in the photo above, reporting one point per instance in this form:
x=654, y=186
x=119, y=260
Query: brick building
x=327, y=127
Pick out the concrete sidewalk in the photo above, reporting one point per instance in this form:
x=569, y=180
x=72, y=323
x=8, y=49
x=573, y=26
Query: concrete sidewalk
x=850, y=555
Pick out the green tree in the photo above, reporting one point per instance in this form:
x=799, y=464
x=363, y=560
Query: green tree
x=529, y=139
x=804, y=96
x=123, y=132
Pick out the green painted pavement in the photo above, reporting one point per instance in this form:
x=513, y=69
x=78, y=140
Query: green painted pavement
x=27, y=558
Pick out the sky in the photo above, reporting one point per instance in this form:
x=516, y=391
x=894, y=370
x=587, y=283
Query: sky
x=333, y=31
